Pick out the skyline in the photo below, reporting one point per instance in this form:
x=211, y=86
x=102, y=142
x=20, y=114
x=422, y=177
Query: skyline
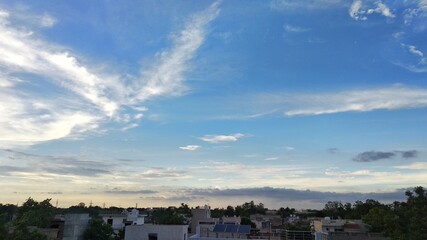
x=289, y=103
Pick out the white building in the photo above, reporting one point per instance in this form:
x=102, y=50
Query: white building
x=224, y=231
x=119, y=221
x=156, y=232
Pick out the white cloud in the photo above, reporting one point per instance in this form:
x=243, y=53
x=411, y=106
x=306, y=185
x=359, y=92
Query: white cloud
x=414, y=166
x=395, y=97
x=420, y=65
x=190, y=147
x=355, y=10
x=413, y=49
x=167, y=74
x=84, y=95
x=222, y=138
x=47, y=21
x=358, y=11
x=271, y=159
x=384, y=10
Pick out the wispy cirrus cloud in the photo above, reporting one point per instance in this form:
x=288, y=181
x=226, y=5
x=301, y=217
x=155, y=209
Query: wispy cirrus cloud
x=295, y=29
x=395, y=97
x=391, y=98
x=419, y=62
x=414, y=166
x=287, y=5
x=53, y=165
x=87, y=94
x=222, y=138
x=167, y=76
x=155, y=173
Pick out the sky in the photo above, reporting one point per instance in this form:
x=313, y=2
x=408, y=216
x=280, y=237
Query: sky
x=156, y=103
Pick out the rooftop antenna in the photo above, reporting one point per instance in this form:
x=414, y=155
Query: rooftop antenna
x=56, y=205
x=136, y=205
x=103, y=205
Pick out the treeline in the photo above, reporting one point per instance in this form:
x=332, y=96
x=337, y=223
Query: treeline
x=398, y=220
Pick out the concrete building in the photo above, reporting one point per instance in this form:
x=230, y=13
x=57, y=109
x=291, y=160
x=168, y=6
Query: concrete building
x=231, y=220
x=224, y=231
x=342, y=229
x=119, y=221
x=75, y=225
x=156, y=232
x=202, y=217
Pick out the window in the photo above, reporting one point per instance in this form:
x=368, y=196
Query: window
x=152, y=236
x=110, y=221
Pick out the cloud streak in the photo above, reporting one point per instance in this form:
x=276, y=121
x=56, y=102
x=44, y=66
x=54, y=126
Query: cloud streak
x=222, y=138
x=167, y=76
x=190, y=147
x=391, y=98
x=56, y=165
x=87, y=95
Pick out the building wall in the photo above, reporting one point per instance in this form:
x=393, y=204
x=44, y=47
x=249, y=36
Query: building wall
x=75, y=225
x=199, y=214
x=164, y=232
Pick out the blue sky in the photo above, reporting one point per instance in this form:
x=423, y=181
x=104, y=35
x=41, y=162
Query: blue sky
x=289, y=103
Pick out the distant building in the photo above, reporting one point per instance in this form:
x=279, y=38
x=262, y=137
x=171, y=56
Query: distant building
x=119, y=221
x=231, y=220
x=265, y=223
x=201, y=217
x=75, y=225
x=343, y=229
x=156, y=232
x=225, y=231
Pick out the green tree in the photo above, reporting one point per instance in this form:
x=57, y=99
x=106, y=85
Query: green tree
x=168, y=217
x=382, y=219
x=4, y=231
x=99, y=230
x=416, y=213
x=22, y=232
x=33, y=213
x=229, y=211
x=247, y=221
x=334, y=209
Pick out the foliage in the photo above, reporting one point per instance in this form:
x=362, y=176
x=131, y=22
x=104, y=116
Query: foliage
x=4, y=232
x=401, y=220
x=247, y=221
x=99, y=230
x=33, y=213
x=168, y=217
x=248, y=208
x=9, y=210
x=21, y=232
